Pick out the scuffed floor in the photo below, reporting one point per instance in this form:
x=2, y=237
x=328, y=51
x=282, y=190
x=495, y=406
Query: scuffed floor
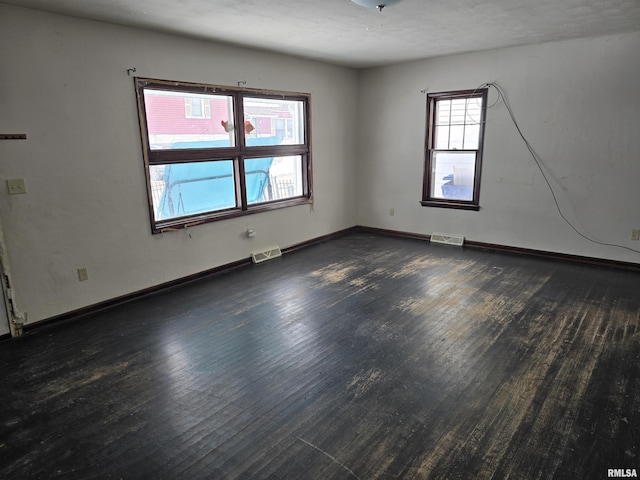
x=365, y=357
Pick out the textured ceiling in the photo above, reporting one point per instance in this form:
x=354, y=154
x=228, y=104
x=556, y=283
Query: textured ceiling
x=338, y=31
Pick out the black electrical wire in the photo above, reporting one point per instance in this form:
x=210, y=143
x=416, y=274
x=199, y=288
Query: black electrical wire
x=535, y=157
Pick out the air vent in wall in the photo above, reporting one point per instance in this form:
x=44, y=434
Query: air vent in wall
x=447, y=239
x=264, y=255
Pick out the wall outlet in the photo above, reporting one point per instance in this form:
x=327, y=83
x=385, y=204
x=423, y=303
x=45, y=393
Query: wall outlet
x=392, y=211
x=16, y=186
x=83, y=274
x=635, y=234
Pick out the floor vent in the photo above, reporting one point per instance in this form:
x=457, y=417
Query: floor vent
x=447, y=239
x=264, y=255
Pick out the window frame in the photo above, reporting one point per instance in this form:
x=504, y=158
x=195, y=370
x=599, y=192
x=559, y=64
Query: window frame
x=429, y=200
x=238, y=153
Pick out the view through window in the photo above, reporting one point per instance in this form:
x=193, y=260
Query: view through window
x=455, y=132
x=217, y=152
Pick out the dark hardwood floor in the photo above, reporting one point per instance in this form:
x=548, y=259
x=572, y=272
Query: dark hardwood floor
x=364, y=357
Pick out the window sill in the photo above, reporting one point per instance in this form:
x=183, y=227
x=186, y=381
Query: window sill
x=450, y=204
x=193, y=220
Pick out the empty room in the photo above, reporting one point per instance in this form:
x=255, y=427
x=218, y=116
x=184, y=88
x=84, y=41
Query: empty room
x=319, y=240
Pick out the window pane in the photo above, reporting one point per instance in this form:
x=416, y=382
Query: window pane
x=471, y=137
x=196, y=107
x=474, y=109
x=456, y=137
x=188, y=120
x=273, y=122
x=270, y=179
x=443, y=111
x=458, y=111
x=442, y=137
x=191, y=188
x=452, y=175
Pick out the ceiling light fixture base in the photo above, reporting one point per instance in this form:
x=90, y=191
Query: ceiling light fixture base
x=377, y=4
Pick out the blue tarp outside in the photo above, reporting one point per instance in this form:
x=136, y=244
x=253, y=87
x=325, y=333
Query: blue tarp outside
x=198, y=187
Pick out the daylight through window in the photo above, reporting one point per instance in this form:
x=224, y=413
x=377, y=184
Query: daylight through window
x=216, y=152
x=455, y=133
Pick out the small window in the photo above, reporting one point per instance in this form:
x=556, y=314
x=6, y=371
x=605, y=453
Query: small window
x=201, y=167
x=197, y=107
x=453, y=160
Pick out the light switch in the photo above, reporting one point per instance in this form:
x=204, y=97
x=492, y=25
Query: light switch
x=83, y=274
x=16, y=186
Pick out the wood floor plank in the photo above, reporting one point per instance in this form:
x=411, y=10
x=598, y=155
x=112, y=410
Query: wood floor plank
x=364, y=357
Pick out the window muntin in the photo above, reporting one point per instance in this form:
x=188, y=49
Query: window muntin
x=457, y=124
x=453, y=157
x=201, y=168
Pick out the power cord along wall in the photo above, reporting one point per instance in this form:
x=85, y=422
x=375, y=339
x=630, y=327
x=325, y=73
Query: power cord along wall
x=534, y=155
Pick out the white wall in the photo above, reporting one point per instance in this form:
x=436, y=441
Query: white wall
x=63, y=82
x=577, y=102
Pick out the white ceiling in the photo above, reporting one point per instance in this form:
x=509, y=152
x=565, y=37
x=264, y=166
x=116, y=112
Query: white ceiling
x=338, y=31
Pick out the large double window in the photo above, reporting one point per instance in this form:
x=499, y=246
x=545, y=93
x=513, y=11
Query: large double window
x=453, y=160
x=216, y=152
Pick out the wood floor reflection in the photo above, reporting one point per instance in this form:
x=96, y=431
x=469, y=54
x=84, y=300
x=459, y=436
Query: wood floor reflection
x=364, y=357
